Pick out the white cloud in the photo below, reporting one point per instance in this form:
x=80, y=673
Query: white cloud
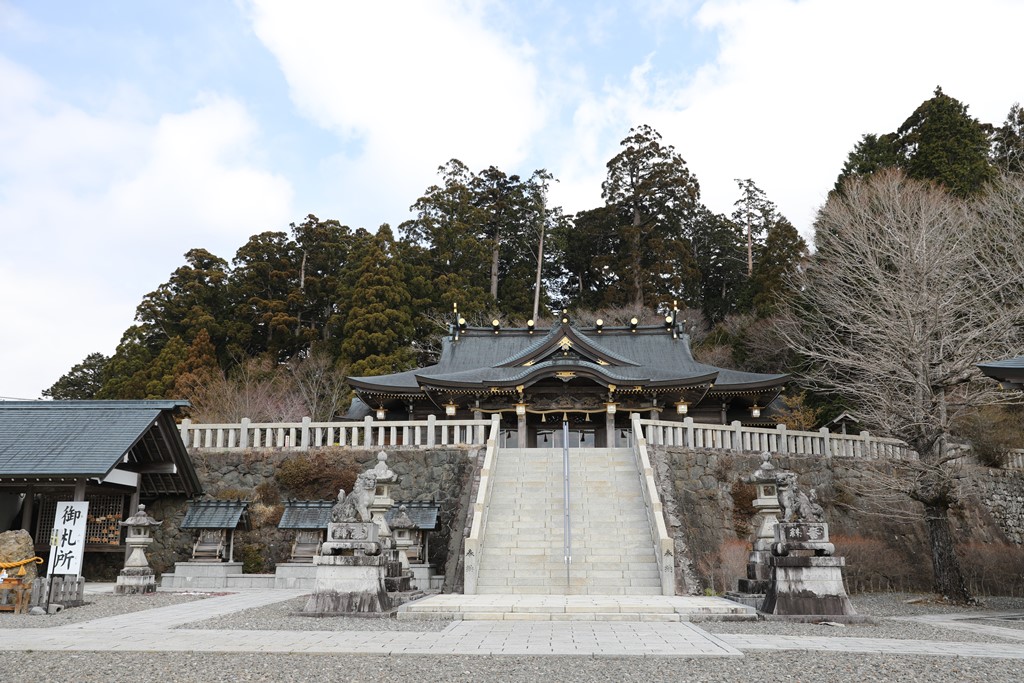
x=97, y=209
x=796, y=84
x=406, y=86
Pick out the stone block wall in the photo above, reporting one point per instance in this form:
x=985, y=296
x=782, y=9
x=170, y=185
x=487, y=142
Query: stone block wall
x=423, y=475
x=1001, y=493
x=708, y=505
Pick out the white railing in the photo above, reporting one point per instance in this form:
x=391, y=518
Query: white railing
x=736, y=437
x=1015, y=459
x=663, y=543
x=304, y=435
x=472, y=544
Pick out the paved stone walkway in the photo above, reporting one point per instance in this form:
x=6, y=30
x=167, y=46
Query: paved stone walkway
x=155, y=631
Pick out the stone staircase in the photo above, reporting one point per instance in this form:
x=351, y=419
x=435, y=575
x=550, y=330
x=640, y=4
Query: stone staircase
x=522, y=548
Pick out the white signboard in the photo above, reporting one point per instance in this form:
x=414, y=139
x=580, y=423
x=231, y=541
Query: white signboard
x=67, y=543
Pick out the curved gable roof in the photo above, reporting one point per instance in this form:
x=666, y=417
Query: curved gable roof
x=543, y=348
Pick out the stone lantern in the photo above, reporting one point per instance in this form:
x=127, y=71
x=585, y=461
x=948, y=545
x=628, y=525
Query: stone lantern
x=406, y=535
x=382, y=501
x=759, y=572
x=137, y=576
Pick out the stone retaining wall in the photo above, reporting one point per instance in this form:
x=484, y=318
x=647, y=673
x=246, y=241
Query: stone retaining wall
x=423, y=475
x=712, y=506
x=711, y=503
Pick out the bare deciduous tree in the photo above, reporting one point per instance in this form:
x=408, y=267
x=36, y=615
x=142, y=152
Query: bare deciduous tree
x=320, y=384
x=909, y=289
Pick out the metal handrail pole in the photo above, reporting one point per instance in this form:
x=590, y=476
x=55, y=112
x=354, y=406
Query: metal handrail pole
x=567, y=543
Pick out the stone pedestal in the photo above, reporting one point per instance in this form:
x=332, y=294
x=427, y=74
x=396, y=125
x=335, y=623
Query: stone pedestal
x=347, y=585
x=808, y=586
x=135, y=581
x=295, y=575
x=805, y=585
x=201, y=575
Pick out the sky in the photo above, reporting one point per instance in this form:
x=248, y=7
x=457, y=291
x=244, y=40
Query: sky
x=134, y=130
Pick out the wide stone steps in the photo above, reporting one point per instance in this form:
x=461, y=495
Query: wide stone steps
x=523, y=548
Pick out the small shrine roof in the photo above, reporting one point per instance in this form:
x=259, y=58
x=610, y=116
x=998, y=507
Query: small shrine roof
x=1009, y=371
x=216, y=514
x=423, y=514
x=306, y=514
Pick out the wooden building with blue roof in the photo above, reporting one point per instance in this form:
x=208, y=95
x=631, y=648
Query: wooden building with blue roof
x=590, y=377
x=114, y=454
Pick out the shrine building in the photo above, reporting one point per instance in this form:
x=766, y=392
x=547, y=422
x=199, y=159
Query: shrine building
x=592, y=378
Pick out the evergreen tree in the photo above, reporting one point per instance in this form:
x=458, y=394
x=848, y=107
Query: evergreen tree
x=447, y=227
x=198, y=370
x=158, y=377
x=193, y=299
x=584, y=250
x=81, y=382
x=777, y=259
x=940, y=142
x=1008, y=142
x=379, y=328
x=656, y=201
x=322, y=250
x=125, y=372
x=722, y=260
x=872, y=153
x=266, y=298
x=753, y=214
x=480, y=234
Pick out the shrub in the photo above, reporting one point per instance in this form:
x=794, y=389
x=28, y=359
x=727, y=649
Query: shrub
x=252, y=558
x=267, y=493
x=263, y=515
x=232, y=494
x=313, y=475
x=726, y=566
x=993, y=568
x=743, y=509
x=873, y=565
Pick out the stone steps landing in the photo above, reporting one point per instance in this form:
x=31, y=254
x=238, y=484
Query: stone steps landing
x=575, y=608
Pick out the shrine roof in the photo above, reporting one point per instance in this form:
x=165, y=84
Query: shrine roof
x=90, y=439
x=648, y=356
x=1009, y=371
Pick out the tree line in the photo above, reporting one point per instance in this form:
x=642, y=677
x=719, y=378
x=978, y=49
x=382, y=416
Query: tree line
x=353, y=302
x=363, y=303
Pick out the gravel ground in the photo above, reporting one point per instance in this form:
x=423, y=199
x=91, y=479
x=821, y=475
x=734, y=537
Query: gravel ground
x=97, y=606
x=129, y=667
x=765, y=666
x=880, y=606
x=282, y=617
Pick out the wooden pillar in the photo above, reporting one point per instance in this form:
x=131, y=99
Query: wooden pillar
x=27, y=508
x=80, y=489
x=521, y=430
